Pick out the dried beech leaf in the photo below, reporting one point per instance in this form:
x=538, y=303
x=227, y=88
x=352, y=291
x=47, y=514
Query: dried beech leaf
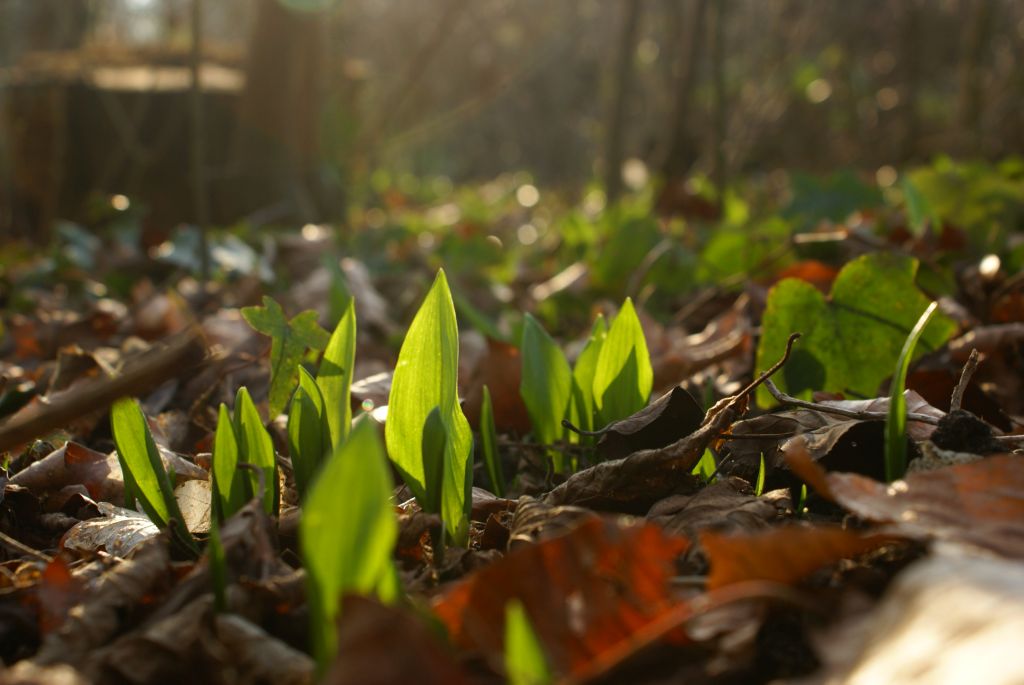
x=602, y=583
x=672, y=416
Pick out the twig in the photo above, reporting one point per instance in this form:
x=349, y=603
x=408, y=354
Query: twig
x=23, y=548
x=965, y=378
x=149, y=372
x=788, y=400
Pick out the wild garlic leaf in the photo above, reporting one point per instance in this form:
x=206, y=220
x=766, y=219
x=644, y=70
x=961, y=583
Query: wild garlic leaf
x=623, y=378
x=545, y=386
x=230, y=492
x=308, y=435
x=255, y=447
x=335, y=375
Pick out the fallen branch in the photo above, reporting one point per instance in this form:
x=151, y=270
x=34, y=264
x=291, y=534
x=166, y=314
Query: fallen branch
x=143, y=375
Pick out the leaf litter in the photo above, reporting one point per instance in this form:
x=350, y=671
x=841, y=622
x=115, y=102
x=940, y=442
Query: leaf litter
x=627, y=567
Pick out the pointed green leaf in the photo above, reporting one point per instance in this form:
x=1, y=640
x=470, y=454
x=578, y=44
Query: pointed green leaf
x=705, y=468
x=489, y=441
x=434, y=439
x=545, y=386
x=335, y=375
x=525, y=663
x=427, y=377
x=347, y=541
x=896, y=421
x=143, y=470
x=289, y=340
x=759, y=486
x=623, y=378
x=255, y=447
x=583, y=406
x=228, y=484
x=218, y=567
x=308, y=437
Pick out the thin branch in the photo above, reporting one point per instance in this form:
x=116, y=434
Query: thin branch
x=23, y=548
x=788, y=400
x=965, y=378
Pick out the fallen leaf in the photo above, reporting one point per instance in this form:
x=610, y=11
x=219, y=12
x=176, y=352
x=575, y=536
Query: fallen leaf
x=602, y=583
x=672, y=416
x=117, y=532
x=782, y=555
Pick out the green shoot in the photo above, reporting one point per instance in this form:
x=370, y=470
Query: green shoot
x=759, y=486
x=489, y=441
x=545, y=386
x=583, y=408
x=896, y=422
x=256, y=447
x=705, y=468
x=289, y=340
x=347, y=542
x=308, y=435
x=218, y=567
x=143, y=470
x=426, y=378
x=229, y=492
x=434, y=440
x=525, y=663
x=623, y=378
x=335, y=375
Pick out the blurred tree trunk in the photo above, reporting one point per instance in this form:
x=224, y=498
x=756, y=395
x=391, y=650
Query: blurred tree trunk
x=911, y=46
x=681, y=152
x=978, y=29
x=718, y=113
x=621, y=91
x=279, y=145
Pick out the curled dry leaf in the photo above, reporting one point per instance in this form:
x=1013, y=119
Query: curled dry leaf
x=979, y=504
x=603, y=583
x=117, y=532
x=672, y=416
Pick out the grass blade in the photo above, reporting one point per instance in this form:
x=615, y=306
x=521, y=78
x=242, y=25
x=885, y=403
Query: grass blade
x=489, y=440
x=896, y=423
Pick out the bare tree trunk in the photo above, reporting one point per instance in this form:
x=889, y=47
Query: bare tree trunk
x=198, y=138
x=279, y=112
x=718, y=113
x=680, y=153
x=619, y=101
x=910, y=44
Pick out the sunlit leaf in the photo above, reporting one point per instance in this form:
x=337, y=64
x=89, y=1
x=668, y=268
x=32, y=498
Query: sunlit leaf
x=434, y=441
x=852, y=336
x=706, y=467
x=426, y=377
x=759, y=485
x=255, y=447
x=348, y=531
x=525, y=663
x=228, y=483
x=623, y=378
x=896, y=421
x=335, y=375
x=289, y=341
x=308, y=435
x=545, y=386
x=144, y=471
x=583, y=406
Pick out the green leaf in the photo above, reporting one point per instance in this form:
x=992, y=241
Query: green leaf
x=335, y=375
x=759, y=486
x=255, y=447
x=489, y=440
x=427, y=377
x=289, y=340
x=525, y=663
x=919, y=210
x=705, y=468
x=308, y=435
x=144, y=472
x=347, y=541
x=434, y=439
x=896, y=422
x=545, y=386
x=228, y=484
x=583, y=405
x=623, y=378
x=851, y=337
